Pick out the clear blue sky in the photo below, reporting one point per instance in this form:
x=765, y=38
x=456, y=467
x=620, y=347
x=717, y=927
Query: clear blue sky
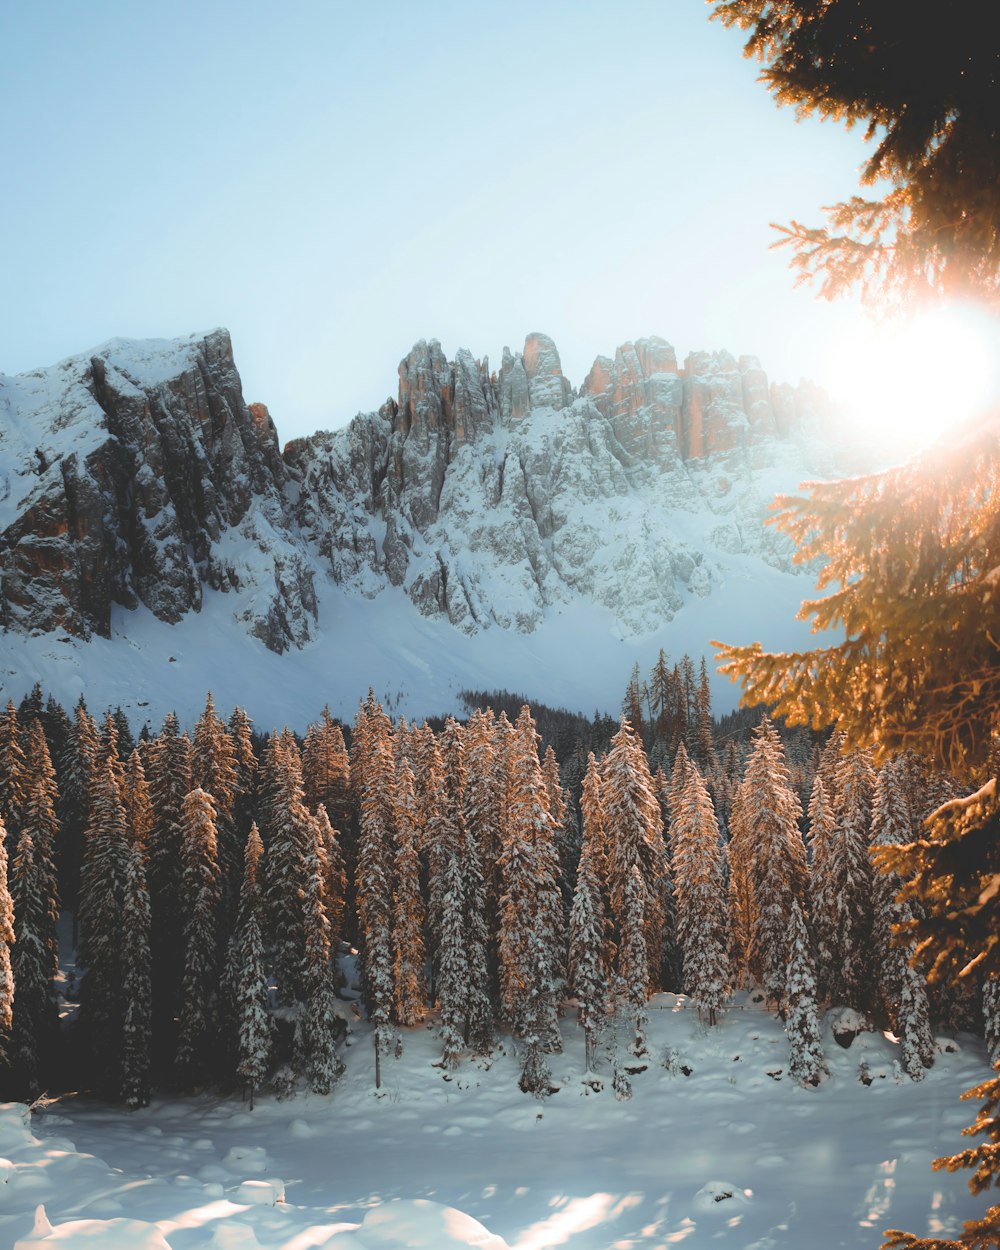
x=333, y=181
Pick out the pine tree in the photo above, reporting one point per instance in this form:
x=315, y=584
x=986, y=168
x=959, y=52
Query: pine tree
x=588, y=925
x=991, y=1019
x=318, y=1055
x=468, y=888
x=214, y=770
x=13, y=772
x=271, y=779
x=901, y=986
x=333, y=872
x=483, y=799
x=107, y=752
x=255, y=1033
x=689, y=687
x=199, y=901
x=245, y=763
x=453, y=969
x=636, y=696
x=479, y=1021
x=841, y=884
x=136, y=984
x=460, y=955
x=567, y=840
x=805, y=1050
x=168, y=773
x=909, y=554
x=372, y=771
x=76, y=778
x=823, y=839
x=34, y=1020
x=326, y=770
x=635, y=840
x=702, y=735
x=290, y=837
x=743, y=914
x=409, y=990
x=31, y=706
x=855, y=789
x=701, y=905
x=679, y=703
x=6, y=942
x=934, y=228
x=439, y=833
x=905, y=988
x=767, y=859
x=57, y=726
x=829, y=767
x=678, y=780
x=633, y=956
x=126, y=740
x=136, y=800
x=100, y=949
x=530, y=944
x=40, y=821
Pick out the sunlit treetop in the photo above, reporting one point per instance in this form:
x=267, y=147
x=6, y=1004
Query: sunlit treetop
x=924, y=80
x=911, y=562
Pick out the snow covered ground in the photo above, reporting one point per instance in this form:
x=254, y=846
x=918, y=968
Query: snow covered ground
x=416, y=665
x=731, y=1154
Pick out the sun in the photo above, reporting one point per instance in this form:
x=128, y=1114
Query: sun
x=906, y=383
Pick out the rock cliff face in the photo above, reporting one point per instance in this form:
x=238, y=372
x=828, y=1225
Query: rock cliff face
x=136, y=475
x=491, y=497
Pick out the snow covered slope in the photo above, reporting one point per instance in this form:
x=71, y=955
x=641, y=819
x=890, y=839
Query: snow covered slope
x=717, y=1146
x=485, y=529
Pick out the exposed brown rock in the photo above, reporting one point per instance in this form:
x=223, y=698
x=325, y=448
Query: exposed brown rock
x=173, y=464
x=153, y=482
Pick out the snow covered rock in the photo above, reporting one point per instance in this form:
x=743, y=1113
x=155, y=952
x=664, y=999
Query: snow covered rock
x=491, y=500
x=846, y=1024
x=136, y=475
x=547, y=387
x=714, y=1195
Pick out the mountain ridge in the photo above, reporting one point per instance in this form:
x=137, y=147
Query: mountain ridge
x=137, y=478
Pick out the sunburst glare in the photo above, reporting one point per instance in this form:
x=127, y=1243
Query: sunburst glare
x=906, y=383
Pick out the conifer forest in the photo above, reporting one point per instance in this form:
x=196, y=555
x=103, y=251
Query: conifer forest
x=176, y=911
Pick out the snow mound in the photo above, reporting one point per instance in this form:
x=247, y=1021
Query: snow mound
x=419, y=1224
x=119, y=1234
x=246, y=1159
x=260, y=1193
x=15, y=1131
x=716, y=1194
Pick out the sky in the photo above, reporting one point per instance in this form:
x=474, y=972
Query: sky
x=334, y=181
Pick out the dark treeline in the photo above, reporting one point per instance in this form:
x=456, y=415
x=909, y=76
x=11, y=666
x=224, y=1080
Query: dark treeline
x=213, y=878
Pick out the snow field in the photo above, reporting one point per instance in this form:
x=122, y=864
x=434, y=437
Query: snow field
x=416, y=665
x=732, y=1154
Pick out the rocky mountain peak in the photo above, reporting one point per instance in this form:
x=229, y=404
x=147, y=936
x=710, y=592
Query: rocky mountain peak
x=547, y=387
x=137, y=475
x=153, y=465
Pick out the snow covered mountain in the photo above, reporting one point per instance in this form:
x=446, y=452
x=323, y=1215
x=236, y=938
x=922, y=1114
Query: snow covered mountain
x=485, y=528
